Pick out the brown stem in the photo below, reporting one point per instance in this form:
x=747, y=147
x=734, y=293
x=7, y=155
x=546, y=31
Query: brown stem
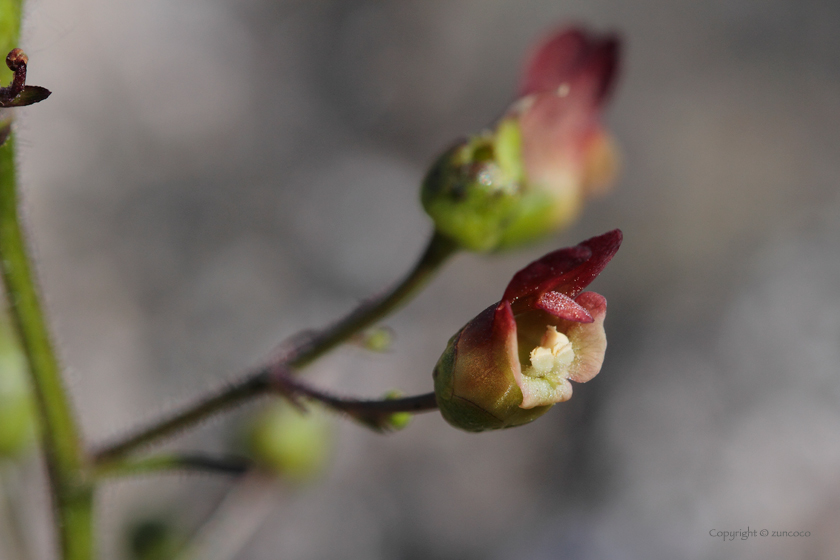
x=373, y=413
x=303, y=350
x=230, y=397
x=17, y=60
x=176, y=462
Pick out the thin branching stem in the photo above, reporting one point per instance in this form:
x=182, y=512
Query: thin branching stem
x=376, y=414
x=439, y=249
x=303, y=350
x=176, y=462
x=373, y=413
x=233, y=395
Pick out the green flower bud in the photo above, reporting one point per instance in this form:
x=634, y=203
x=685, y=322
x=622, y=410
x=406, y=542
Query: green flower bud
x=530, y=174
x=290, y=443
x=473, y=191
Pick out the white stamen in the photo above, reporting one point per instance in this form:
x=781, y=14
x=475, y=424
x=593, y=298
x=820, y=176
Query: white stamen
x=552, y=357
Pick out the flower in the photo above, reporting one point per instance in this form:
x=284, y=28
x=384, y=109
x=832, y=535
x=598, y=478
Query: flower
x=530, y=175
x=514, y=361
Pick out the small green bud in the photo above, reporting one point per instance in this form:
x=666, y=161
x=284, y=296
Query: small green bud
x=473, y=190
x=398, y=420
x=290, y=443
x=376, y=339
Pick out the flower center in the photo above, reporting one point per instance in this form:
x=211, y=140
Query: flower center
x=552, y=358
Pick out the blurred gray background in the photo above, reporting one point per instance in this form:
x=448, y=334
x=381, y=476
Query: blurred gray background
x=211, y=176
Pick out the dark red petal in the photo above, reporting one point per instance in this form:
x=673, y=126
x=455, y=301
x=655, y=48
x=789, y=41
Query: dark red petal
x=554, y=61
x=572, y=55
x=600, y=69
x=534, y=277
x=603, y=248
x=564, y=307
x=503, y=323
x=568, y=270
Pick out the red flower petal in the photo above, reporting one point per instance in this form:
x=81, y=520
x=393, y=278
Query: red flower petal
x=564, y=307
x=503, y=324
x=554, y=61
x=573, y=55
x=567, y=271
x=554, y=265
x=603, y=249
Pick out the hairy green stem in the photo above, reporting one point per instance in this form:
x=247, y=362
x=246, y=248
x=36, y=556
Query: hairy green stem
x=72, y=493
x=66, y=462
x=307, y=348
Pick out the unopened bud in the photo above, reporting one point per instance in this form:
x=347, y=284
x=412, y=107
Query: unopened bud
x=530, y=174
x=290, y=443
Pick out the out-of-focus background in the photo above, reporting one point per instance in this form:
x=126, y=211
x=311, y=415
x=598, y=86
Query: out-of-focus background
x=211, y=176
